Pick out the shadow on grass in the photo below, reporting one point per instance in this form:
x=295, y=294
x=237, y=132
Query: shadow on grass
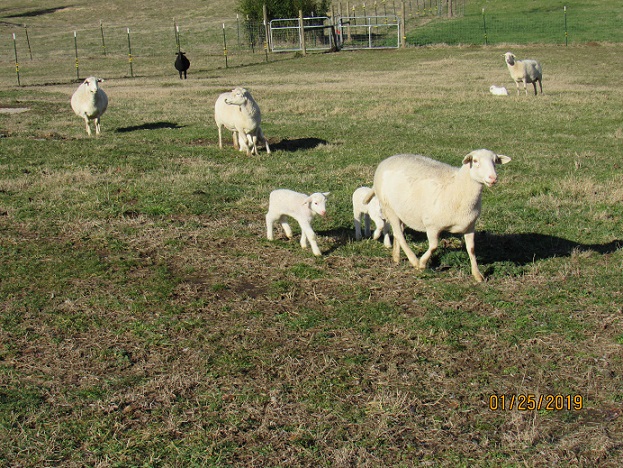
x=297, y=144
x=525, y=248
x=149, y=126
x=521, y=249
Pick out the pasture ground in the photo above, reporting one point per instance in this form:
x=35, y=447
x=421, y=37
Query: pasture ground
x=146, y=321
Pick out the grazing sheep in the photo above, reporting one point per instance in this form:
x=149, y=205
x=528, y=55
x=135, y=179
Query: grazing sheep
x=498, y=90
x=430, y=196
x=238, y=112
x=369, y=211
x=524, y=71
x=90, y=102
x=182, y=64
x=283, y=203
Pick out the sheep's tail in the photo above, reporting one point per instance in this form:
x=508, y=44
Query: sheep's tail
x=369, y=197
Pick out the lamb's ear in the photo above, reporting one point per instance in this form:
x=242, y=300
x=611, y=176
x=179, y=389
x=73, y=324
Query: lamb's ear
x=306, y=201
x=326, y=194
x=501, y=159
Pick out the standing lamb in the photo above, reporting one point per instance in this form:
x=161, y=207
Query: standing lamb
x=284, y=203
x=182, y=64
x=90, y=102
x=238, y=112
x=431, y=196
x=369, y=211
x=524, y=71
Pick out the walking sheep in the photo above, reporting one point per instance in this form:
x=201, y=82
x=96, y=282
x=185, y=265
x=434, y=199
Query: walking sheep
x=524, y=71
x=90, y=102
x=237, y=111
x=182, y=64
x=301, y=207
x=369, y=211
x=431, y=196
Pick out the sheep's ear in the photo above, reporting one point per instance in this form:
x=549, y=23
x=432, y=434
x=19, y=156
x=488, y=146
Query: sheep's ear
x=468, y=159
x=501, y=159
x=100, y=80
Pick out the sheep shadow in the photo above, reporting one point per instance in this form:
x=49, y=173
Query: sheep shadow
x=149, y=126
x=519, y=249
x=525, y=248
x=297, y=144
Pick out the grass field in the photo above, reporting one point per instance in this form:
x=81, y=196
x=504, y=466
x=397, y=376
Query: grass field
x=145, y=320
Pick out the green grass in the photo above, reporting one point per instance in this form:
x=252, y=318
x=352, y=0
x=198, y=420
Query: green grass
x=145, y=320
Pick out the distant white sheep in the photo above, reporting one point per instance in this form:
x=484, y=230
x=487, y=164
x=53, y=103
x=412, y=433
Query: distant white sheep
x=498, y=90
x=432, y=197
x=237, y=111
x=369, y=211
x=89, y=101
x=524, y=71
x=301, y=207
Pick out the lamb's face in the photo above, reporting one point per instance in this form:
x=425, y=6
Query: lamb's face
x=510, y=58
x=482, y=166
x=237, y=97
x=317, y=203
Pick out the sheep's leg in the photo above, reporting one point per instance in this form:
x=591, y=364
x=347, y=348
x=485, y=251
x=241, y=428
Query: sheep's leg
x=98, y=128
x=387, y=242
x=307, y=234
x=525, y=86
x=357, y=217
x=283, y=220
x=399, y=239
x=220, y=136
x=433, y=243
x=271, y=219
x=86, y=122
x=236, y=138
x=265, y=141
x=470, y=246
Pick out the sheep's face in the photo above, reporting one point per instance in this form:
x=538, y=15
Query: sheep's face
x=510, y=58
x=317, y=202
x=237, y=97
x=482, y=166
x=92, y=84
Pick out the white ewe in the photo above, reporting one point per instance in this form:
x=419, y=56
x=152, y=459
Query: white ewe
x=238, y=112
x=369, y=211
x=524, y=71
x=90, y=102
x=284, y=203
x=430, y=196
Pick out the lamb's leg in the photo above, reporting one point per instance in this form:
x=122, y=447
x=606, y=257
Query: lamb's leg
x=471, y=251
x=261, y=135
x=366, y=224
x=433, y=243
x=357, y=218
x=399, y=239
x=307, y=234
x=283, y=220
x=271, y=219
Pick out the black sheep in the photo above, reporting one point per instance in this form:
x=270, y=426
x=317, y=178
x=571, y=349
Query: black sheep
x=182, y=64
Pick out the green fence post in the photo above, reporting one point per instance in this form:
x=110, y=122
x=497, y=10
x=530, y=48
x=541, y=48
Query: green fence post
x=566, y=35
x=484, y=25
x=130, y=54
x=16, y=62
x=76, y=51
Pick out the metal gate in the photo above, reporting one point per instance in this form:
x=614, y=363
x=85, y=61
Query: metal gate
x=286, y=34
x=368, y=32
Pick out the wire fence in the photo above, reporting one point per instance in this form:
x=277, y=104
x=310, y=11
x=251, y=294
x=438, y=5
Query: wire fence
x=53, y=55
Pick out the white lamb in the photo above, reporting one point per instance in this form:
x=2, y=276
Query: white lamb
x=237, y=111
x=498, y=90
x=524, y=71
x=369, y=211
x=431, y=196
x=90, y=102
x=284, y=203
